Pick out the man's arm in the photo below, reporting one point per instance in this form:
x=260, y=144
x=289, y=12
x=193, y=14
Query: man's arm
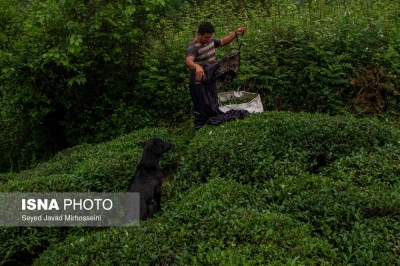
x=229, y=38
x=192, y=65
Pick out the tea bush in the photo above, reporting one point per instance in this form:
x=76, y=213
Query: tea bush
x=361, y=223
x=353, y=201
x=223, y=221
x=19, y=245
x=380, y=167
x=217, y=223
x=108, y=166
x=105, y=167
x=346, y=212
x=274, y=144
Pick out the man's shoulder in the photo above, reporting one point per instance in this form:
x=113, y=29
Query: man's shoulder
x=191, y=45
x=191, y=49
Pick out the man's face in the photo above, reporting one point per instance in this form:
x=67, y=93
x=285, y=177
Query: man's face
x=204, y=38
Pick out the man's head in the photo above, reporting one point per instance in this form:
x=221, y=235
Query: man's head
x=205, y=32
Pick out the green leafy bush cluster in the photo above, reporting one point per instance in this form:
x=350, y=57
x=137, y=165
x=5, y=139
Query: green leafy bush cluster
x=268, y=208
x=86, y=72
x=309, y=219
x=217, y=223
x=76, y=72
x=378, y=167
x=360, y=222
x=108, y=166
x=105, y=167
x=302, y=56
x=353, y=202
x=274, y=144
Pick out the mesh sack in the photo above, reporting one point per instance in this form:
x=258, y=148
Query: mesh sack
x=229, y=66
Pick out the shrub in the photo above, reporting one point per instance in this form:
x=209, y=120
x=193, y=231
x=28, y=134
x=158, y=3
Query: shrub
x=106, y=167
x=279, y=143
x=19, y=245
x=72, y=73
x=217, y=223
x=347, y=212
x=380, y=167
x=353, y=202
x=361, y=223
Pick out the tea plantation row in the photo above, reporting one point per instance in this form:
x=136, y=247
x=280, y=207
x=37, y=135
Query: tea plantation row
x=275, y=188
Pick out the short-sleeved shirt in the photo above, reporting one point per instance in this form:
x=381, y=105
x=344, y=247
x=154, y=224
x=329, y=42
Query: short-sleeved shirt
x=203, y=54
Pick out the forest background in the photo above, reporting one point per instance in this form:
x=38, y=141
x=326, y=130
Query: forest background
x=84, y=72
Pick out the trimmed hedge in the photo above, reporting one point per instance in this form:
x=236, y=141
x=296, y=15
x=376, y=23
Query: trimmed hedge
x=353, y=202
x=105, y=167
x=220, y=222
x=380, y=167
x=108, y=166
x=273, y=144
x=361, y=222
x=310, y=219
x=261, y=203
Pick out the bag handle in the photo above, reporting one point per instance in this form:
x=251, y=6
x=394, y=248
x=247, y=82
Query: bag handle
x=237, y=39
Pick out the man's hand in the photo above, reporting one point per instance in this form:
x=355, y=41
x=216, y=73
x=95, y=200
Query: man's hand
x=229, y=38
x=199, y=73
x=192, y=65
x=240, y=31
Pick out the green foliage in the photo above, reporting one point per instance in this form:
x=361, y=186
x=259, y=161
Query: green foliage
x=352, y=202
x=346, y=213
x=360, y=223
x=85, y=72
x=19, y=245
x=302, y=57
x=80, y=72
x=105, y=167
x=108, y=166
x=70, y=73
x=379, y=167
x=217, y=223
x=274, y=144
x=338, y=219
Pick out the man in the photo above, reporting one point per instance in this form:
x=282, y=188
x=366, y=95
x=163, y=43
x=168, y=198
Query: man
x=199, y=52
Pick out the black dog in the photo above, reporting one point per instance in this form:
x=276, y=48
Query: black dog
x=149, y=177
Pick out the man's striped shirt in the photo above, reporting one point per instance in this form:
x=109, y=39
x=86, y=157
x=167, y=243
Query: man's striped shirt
x=203, y=54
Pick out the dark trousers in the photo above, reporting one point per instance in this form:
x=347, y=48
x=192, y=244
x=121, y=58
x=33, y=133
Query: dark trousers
x=200, y=115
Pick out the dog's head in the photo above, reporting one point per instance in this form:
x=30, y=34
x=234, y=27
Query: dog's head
x=157, y=146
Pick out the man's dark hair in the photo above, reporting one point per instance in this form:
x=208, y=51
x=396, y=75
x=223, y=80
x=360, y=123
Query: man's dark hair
x=206, y=27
